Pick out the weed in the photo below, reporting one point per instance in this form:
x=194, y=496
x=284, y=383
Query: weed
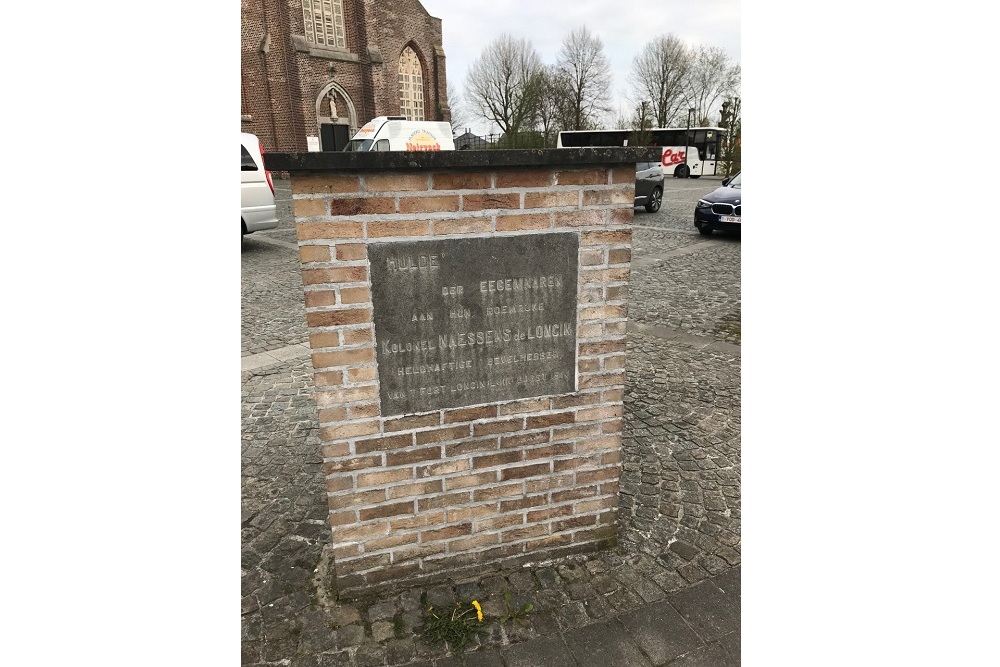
x=456, y=627
x=512, y=613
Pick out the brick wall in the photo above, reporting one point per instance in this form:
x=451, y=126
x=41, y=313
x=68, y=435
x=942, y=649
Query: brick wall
x=432, y=494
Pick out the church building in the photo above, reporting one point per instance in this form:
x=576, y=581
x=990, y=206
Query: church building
x=314, y=71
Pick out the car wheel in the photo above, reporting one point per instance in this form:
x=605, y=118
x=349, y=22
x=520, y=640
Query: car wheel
x=655, y=199
x=703, y=229
x=681, y=171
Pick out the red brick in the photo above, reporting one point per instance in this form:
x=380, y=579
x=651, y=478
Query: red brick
x=523, y=179
x=470, y=414
x=606, y=237
x=349, y=252
x=314, y=253
x=579, y=218
x=461, y=180
x=398, y=228
x=544, y=421
x=352, y=295
x=383, y=443
x=442, y=434
x=552, y=199
x=497, y=492
x=412, y=456
x=491, y=460
x=407, y=423
x=421, y=519
x=619, y=256
x=308, y=208
x=416, y=489
x=333, y=318
x=594, y=414
x=446, y=533
x=522, y=503
x=358, y=336
x=328, y=415
x=584, y=177
x=520, y=472
x=305, y=184
x=558, y=449
x=324, y=339
x=491, y=201
x=345, y=274
x=362, y=206
x=623, y=174
x=362, y=374
x=604, y=276
x=472, y=446
x=329, y=230
x=444, y=500
x=349, y=430
x=384, y=477
x=465, y=481
x=463, y=226
x=524, y=440
x=342, y=357
x=609, y=197
x=595, y=349
x=513, y=223
x=433, y=204
x=319, y=298
x=395, y=182
x=505, y=426
x=387, y=510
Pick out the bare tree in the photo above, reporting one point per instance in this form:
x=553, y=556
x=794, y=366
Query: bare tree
x=503, y=84
x=711, y=79
x=659, y=73
x=460, y=117
x=550, y=104
x=586, y=74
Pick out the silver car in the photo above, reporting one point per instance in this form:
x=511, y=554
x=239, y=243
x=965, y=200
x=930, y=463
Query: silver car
x=649, y=185
x=256, y=188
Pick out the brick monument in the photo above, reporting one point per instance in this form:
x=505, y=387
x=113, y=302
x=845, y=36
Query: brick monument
x=467, y=314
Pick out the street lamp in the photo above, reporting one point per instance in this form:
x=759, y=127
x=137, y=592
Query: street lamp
x=687, y=142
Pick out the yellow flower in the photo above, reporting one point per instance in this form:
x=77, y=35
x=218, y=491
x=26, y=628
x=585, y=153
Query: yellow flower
x=479, y=610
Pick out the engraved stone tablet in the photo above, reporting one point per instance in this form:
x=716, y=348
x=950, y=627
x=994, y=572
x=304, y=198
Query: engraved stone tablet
x=474, y=320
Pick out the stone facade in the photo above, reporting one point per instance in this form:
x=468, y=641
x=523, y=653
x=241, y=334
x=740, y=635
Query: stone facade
x=428, y=495
x=286, y=81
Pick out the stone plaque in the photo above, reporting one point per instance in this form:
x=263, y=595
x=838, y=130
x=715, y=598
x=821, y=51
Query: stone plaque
x=474, y=320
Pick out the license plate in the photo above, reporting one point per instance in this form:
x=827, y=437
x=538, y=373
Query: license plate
x=729, y=218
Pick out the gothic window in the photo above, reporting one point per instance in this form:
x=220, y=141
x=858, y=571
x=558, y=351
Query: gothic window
x=411, y=86
x=324, y=22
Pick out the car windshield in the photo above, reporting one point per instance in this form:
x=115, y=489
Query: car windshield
x=358, y=145
x=735, y=183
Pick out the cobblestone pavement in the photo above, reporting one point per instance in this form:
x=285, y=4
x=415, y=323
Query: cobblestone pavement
x=667, y=595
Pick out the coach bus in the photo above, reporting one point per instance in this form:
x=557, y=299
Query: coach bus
x=692, y=156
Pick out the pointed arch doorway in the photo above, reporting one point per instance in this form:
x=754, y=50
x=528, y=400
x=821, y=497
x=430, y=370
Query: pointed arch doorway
x=336, y=117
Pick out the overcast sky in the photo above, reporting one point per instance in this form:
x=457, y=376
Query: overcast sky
x=624, y=26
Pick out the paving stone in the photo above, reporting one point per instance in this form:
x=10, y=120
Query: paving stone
x=399, y=651
x=660, y=631
x=483, y=658
x=370, y=655
x=549, y=651
x=710, y=612
x=381, y=611
x=604, y=644
x=713, y=655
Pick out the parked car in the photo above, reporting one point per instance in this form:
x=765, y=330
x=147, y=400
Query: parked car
x=649, y=185
x=720, y=209
x=257, y=189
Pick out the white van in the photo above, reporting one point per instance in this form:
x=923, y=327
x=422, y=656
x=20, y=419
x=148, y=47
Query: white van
x=395, y=133
x=257, y=189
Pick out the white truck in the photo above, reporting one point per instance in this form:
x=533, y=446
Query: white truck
x=395, y=133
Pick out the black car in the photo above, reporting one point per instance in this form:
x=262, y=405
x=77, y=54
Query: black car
x=720, y=210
